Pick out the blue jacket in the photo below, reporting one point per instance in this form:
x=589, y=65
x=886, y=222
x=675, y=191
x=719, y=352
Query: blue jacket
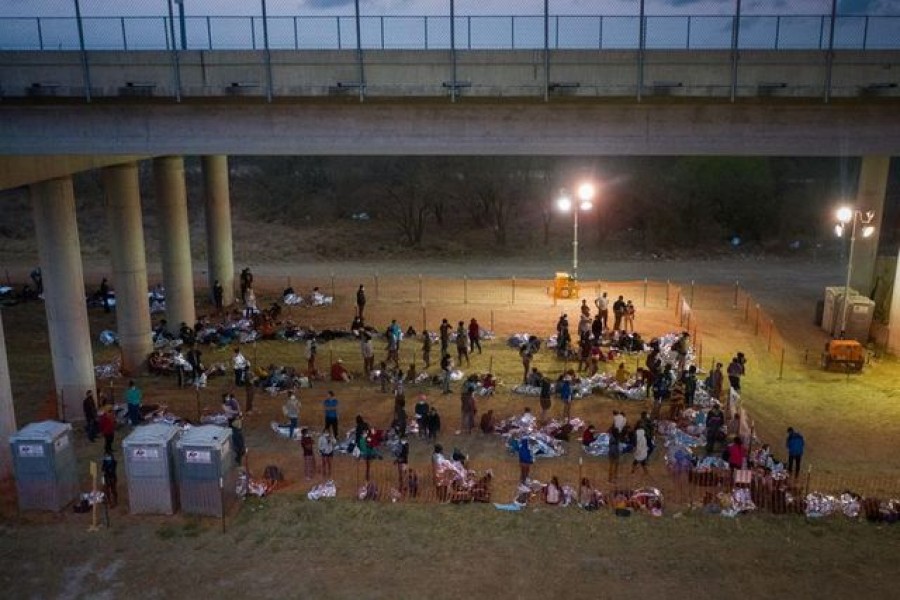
x=525, y=456
x=795, y=444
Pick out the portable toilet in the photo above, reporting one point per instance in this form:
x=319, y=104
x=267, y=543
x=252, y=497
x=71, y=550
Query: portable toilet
x=150, y=467
x=207, y=474
x=860, y=312
x=44, y=464
x=833, y=311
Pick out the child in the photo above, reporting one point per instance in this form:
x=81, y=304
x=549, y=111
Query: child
x=309, y=460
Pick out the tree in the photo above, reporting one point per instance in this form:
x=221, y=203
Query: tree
x=406, y=201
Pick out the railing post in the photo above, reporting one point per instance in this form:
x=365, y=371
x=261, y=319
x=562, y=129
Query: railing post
x=452, y=51
x=209, y=32
x=865, y=33
x=381, y=19
x=829, y=58
x=359, y=55
x=777, y=30
x=296, y=36
x=425, y=31
x=512, y=32
x=735, y=43
x=546, y=50
x=640, y=57
x=85, y=67
x=253, y=32
x=267, y=54
x=124, y=37
x=176, y=68
x=40, y=31
x=688, y=39
x=337, y=21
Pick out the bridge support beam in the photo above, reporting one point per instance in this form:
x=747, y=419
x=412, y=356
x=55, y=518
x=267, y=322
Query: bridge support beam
x=870, y=192
x=178, y=276
x=67, y=320
x=219, y=247
x=129, y=265
x=7, y=411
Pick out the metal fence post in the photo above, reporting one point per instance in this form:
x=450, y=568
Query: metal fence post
x=692, y=294
x=513, y=290
x=640, y=62
x=359, y=56
x=735, y=43
x=332, y=286
x=465, y=289
x=756, y=327
x=376, y=285
x=781, y=366
x=667, y=293
x=736, y=288
x=546, y=50
x=421, y=297
x=645, y=292
x=829, y=58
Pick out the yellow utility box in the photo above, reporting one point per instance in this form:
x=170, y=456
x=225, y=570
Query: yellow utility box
x=565, y=286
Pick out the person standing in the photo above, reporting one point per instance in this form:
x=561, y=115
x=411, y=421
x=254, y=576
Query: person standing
x=291, y=410
x=526, y=459
x=629, y=316
x=618, y=313
x=104, y=294
x=445, y=336
x=246, y=283
x=237, y=439
x=402, y=462
x=360, y=301
x=714, y=383
x=110, y=479
x=565, y=395
x=546, y=397
x=795, y=447
x=715, y=420
x=602, y=304
x=426, y=348
x=331, y=413
x=467, y=405
x=736, y=370
x=689, y=379
x=89, y=406
x=641, y=450
x=241, y=367
x=312, y=349
x=614, y=454
x=309, y=459
x=134, y=398
x=462, y=345
x=446, y=367
x=218, y=293
x=525, y=352
x=107, y=425
x=368, y=352
x=474, y=336
x=326, y=452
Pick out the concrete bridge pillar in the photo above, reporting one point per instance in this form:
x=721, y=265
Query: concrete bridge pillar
x=219, y=248
x=129, y=265
x=870, y=193
x=64, y=299
x=7, y=411
x=178, y=276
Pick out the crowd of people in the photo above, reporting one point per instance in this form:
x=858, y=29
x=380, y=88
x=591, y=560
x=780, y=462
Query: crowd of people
x=670, y=380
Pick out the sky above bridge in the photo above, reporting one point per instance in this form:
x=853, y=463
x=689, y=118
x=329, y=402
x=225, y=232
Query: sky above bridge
x=48, y=8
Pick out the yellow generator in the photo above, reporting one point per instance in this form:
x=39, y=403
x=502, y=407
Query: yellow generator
x=565, y=286
x=843, y=355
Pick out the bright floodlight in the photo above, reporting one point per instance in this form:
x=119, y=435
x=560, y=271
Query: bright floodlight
x=868, y=230
x=586, y=192
x=844, y=214
x=564, y=202
x=839, y=230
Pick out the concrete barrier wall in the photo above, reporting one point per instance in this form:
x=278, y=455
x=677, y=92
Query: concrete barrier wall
x=426, y=73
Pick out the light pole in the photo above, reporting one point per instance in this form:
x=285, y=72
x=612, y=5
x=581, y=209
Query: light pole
x=585, y=202
x=851, y=217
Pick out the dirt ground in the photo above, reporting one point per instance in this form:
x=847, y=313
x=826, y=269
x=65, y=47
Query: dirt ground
x=286, y=546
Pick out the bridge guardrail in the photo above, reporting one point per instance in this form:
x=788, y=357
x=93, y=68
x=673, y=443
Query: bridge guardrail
x=471, y=32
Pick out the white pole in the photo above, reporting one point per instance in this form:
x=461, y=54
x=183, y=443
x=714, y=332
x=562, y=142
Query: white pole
x=575, y=245
x=849, y=273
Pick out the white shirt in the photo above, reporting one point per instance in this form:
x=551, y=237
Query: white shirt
x=602, y=302
x=619, y=421
x=240, y=362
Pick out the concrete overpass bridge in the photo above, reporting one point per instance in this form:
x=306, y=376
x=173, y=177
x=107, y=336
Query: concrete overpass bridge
x=55, y=120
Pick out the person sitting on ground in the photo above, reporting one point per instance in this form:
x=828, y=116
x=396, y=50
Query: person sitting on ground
x=488, y=383
x=527, y=418
x=356, y=326
x=339, y=372
x=589, y=435
x=622, y=374
x=553, y=492
x=487, y=422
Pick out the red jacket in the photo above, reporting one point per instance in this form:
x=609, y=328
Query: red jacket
x=107, y=423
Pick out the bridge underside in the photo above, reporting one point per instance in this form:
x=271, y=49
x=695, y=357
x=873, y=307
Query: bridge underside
x=94, y=134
